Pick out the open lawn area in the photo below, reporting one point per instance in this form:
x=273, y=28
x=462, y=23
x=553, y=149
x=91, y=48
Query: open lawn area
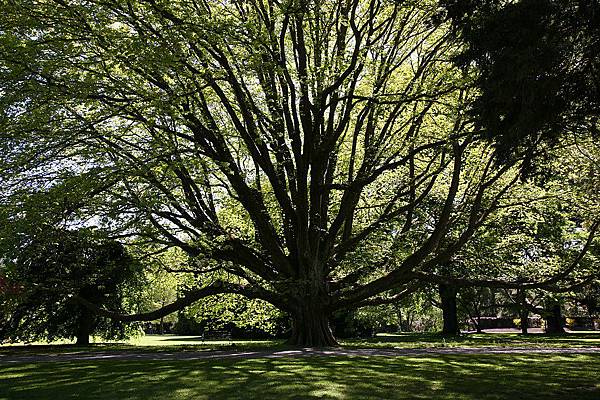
x=422, y=377
x=154, y=343
x=388, y=340
x=421, y=340
x=405, y=376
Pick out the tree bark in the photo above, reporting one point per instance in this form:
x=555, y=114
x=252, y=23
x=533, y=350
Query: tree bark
x=310, y=328
x=523, y=311
x=449, y=311
x=478, y=324
x=399, y=313
x=553, y=318
x=524, y=316
x=84, y=327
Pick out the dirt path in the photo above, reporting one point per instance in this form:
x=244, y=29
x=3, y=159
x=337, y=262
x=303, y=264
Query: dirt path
x=329, y=352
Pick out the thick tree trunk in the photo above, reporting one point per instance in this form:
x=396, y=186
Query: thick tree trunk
x=524, y=324
x=554, y=320
x=310, y=328
x=449, y=311
x=84, y=327
x=408, y=322
x=161, y=329
x=523, y=312
x=478, y=325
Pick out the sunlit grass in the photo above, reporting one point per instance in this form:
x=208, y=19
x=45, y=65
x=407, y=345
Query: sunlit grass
x=169, y=343
x=425, y=377
x=169, y=340
x=428, y=340
x=146, y=343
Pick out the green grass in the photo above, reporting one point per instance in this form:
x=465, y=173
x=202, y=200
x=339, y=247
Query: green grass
x=147, y=343
x=433, y=376
x=169, y=343
x=426, y=340
x=175, y=340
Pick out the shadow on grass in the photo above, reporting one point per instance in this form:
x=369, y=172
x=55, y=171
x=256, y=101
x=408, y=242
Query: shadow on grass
x=165, y=345
x=413, y=340
x=439, y=377
x=402, y=340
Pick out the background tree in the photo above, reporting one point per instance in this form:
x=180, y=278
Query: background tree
x=538, y=63
x=48, y=266
x=163, y=276
x=236, y=315
x=477, y=302
x=544, y=230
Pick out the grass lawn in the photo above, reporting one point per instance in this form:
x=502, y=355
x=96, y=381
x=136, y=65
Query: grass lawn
x=428, y=377
x=420, y=340
x=400, y=340
x=146, y=343
x=154, y=343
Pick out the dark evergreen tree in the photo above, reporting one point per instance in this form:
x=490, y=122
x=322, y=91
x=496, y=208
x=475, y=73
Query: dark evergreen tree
x=46, y=269
x=538, y=65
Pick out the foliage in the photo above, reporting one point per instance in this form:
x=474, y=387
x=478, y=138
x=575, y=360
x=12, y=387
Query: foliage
x=157, y=286
x=237, y=315
x=538, y=64
x=316, y=155
x=47, y=267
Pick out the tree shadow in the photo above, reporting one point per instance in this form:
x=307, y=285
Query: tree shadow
x=478, y=339
x=418, y=377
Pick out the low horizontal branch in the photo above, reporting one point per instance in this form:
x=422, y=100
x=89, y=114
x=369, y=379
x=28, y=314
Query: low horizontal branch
x=189, y=298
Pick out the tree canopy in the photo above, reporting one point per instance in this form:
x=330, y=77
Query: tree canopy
x=538, y=64
x=318, y=155
x=46, y=269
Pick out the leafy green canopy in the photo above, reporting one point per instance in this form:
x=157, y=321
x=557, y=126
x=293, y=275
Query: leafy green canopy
x=45, y=268
x=317, y=153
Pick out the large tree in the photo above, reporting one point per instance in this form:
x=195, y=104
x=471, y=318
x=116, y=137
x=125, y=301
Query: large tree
x=299, y=147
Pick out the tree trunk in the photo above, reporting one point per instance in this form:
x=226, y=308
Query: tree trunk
x=84, y=327
x=161, y=327
x=554, y=320
x=310, y=328
x=524, y=316
x=408, y=321
x=399, y=313
x=523, y=312
x=448, y=298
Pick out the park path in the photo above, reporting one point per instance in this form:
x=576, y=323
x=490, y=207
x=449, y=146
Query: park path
x=10, y=358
